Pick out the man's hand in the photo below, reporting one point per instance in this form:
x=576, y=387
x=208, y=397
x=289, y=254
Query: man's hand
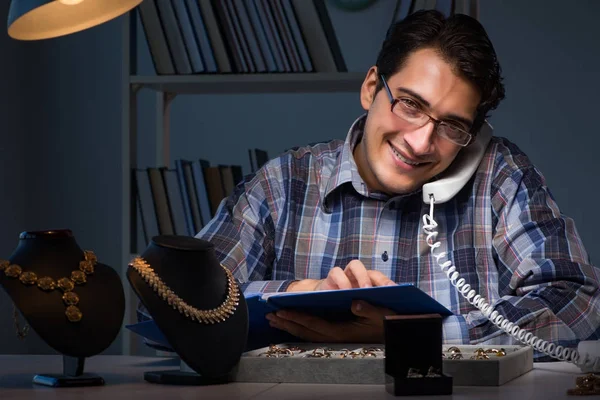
x=355, y=275
x=366, y=328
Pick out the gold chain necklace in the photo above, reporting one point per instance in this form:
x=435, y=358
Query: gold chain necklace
x=48, y=284
x=212, y=316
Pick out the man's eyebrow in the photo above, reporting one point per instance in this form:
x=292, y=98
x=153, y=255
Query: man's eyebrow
x=424, y=102
x=415, y=95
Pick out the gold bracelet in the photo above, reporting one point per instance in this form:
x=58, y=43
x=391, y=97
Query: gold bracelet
x=48, y=284
x=212, y=316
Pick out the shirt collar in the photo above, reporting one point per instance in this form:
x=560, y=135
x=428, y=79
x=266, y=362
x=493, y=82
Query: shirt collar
x=345, y=170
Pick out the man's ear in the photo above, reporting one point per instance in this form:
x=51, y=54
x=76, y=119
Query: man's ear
x=367, y=90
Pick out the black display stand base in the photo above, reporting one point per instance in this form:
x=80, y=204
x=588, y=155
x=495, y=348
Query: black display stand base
x=418, y=386
x=72, y=376
x=183, y=376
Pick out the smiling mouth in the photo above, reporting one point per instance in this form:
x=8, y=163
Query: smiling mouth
x=404, y=159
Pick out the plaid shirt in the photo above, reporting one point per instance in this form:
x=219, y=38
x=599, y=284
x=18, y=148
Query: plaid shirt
x=308, y=211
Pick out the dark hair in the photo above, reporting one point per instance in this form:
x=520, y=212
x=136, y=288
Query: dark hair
x=460, y=40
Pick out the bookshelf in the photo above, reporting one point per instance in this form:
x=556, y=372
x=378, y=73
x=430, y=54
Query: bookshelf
x=252, y=83
x=166, y=88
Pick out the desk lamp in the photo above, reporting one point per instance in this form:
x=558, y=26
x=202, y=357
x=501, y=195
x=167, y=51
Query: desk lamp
x=44, y=19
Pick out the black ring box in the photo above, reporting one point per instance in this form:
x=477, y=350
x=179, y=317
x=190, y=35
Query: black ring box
x=414, y=343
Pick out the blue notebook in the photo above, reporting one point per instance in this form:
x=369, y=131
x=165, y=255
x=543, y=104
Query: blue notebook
x=333, y=305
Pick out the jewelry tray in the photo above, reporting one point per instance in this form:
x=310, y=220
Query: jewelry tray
x=255, y=366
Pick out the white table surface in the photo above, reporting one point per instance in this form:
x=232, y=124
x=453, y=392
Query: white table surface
x=124, y=379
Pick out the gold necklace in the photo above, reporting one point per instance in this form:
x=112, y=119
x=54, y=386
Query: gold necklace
x=212, y=316
x=48, y=284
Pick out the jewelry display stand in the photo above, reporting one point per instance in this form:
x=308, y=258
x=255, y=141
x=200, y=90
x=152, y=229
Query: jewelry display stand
x=74, y=303
x=197, y=305
x=72, y=375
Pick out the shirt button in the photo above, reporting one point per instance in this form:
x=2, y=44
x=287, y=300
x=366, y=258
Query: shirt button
x=384, y=256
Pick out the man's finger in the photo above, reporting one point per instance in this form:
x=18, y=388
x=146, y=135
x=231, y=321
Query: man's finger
x=306, y=320
x=369, y=311
x=336, y=279
x=298, y=326
x=379, y=279
x=356, y=271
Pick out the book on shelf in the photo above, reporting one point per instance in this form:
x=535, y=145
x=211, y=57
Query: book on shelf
x=332, y=305
x=215, y=37
x=286, y=36
x=227, y=181
x=191, y=206
x=248, y=34
x=314, y=36
x=176, y=203
x=294, y=27
x=329, y=31
x=192, y=46
x=234, y=15
x=268, y=21
x=180, y=200
x=160, y=202
x=201, y=189
x=240, y=36
x=214, y=187
x=142, y=214
x=257, y=158
x=238, y=175
x=174, y=38
x=202, y=36
x=155, y=36
x=265, y=45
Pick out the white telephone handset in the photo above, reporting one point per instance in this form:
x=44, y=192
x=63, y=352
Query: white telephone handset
x=460, y=171
x=445, y=188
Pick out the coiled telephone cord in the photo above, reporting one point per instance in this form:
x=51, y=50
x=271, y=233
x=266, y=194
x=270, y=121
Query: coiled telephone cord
x=554, y=351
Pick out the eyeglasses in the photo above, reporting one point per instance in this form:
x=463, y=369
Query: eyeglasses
x=410, y=111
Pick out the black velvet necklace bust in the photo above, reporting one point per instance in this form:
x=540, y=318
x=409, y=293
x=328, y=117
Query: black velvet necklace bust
x=190, y=268
x=56, y=254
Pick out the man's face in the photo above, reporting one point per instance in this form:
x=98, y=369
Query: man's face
x=394, y=156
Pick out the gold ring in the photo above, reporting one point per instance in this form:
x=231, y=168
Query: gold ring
x=414, y=373
x=433, y=373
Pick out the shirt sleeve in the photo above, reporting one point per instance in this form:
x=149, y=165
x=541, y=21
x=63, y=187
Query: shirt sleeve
x=547, y=285
x=454, y=330
x=243, y=233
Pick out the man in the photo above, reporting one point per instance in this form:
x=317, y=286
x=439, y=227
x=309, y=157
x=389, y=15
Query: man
x=349, y=213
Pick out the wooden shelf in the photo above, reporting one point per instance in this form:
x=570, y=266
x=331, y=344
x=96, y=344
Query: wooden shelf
x=252, y=83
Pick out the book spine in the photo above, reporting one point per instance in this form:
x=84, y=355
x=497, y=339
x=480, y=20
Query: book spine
x=174, y=37
x=157, y=42
x=201, y=35
x=330, y=34
x=216, y=39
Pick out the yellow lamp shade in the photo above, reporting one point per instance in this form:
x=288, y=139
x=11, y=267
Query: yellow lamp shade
x=43, y=19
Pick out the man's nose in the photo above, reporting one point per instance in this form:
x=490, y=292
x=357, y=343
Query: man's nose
x=421, y=140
